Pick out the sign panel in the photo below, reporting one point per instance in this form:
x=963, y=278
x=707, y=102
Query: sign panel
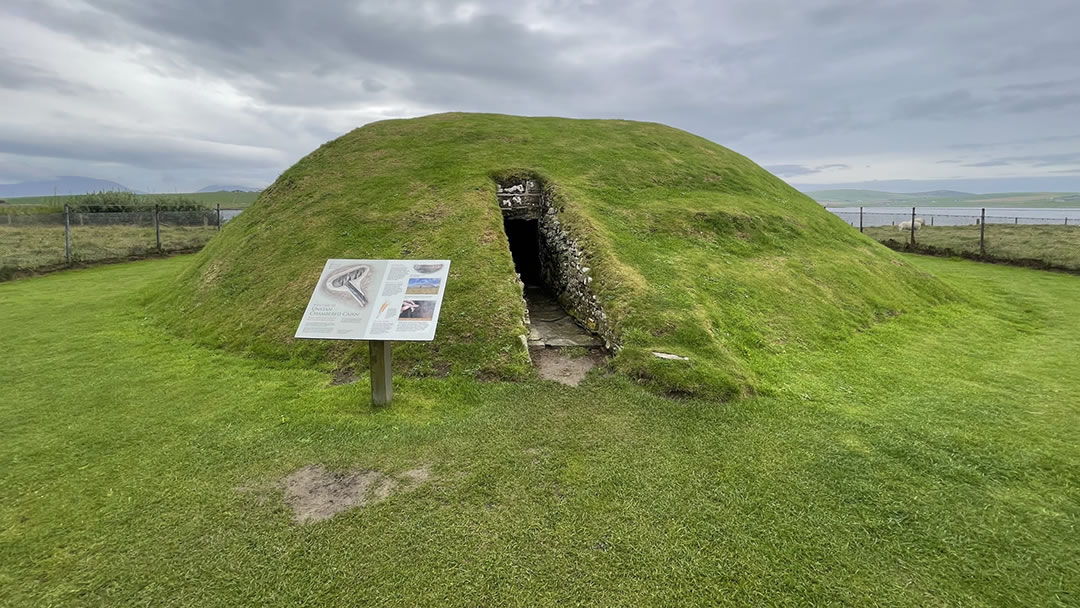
x=395, y=300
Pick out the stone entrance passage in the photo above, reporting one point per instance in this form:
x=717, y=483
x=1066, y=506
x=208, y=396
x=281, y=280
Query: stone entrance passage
x=554, y=283
x=549, y=323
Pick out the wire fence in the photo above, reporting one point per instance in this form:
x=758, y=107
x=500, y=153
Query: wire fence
x=37, y=242
x=1048, y=238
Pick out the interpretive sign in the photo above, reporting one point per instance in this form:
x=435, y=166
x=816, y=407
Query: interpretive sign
x=376, y=300
x=379, y=301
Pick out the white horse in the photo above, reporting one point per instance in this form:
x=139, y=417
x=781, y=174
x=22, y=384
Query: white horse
x=906, y=225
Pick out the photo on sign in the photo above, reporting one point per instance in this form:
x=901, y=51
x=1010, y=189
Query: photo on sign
x=417, y=310
x=423, y=287
x=427, y=268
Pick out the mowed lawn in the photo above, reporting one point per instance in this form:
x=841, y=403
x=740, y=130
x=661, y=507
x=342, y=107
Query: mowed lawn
x=934, y=460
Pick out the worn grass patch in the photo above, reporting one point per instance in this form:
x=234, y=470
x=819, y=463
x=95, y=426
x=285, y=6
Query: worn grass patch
x=931, y=459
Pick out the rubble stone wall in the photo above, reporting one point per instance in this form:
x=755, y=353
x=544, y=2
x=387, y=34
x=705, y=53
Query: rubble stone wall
x=563, y=264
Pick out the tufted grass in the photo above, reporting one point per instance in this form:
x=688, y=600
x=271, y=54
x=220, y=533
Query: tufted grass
x=931, y=459
x=1055, y=246
x=42, y=247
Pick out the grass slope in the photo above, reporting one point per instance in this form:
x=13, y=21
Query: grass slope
x=930, y=460
x=694, y=250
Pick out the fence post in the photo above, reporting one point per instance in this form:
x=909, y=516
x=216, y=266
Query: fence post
x=1016, y=220
x=157, y=229
x=67, y=234
x=1066, y=221
x=982, y=233
x=912, y=226
x=860, y=219
x=219, y=216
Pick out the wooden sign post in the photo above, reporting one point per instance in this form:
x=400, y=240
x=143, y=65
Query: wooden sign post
x=382, y=385
x=379, y=301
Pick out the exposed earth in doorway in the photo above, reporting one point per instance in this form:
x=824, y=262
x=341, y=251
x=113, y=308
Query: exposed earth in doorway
x=560, y=349
x=567, y=366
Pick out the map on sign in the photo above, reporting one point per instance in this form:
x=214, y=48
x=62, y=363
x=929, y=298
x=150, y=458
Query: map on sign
x=376, y=300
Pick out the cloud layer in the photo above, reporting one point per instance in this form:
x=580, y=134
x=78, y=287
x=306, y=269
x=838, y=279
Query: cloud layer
x=170, y=95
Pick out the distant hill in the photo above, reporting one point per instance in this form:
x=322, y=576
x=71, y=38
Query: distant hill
x=63, y=185
x=944, y=194
x=942, y=198
x=219, y=188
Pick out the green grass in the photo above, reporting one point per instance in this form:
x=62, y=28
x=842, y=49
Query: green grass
x=931, y=459
x=693, y=249
x=856, y=198
x=1056, y=246
x=228, y=200
x=41, y=247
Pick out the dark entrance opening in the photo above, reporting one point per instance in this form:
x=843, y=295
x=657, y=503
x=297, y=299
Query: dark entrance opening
x=524, y=238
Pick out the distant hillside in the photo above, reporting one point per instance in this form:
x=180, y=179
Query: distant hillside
x=942, y=198
x=219, y=188
x=943, y=194
x=65, y=184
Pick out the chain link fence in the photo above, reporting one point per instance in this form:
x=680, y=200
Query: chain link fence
x=43, y=241
x=1044, y=238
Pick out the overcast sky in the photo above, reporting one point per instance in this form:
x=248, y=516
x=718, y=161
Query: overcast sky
x=177, y=94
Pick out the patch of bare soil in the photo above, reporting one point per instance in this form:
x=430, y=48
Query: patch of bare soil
x=316, y=494
x=558, y=365
x=345, y=375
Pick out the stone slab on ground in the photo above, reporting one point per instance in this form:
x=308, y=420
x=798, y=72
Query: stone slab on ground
x=550, y=325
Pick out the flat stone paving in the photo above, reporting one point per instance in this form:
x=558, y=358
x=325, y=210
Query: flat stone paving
x=550, y=325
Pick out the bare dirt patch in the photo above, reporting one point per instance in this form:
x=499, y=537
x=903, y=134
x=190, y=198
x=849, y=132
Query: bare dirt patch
x=315, y=493
x=344, y=375
x=561, y=366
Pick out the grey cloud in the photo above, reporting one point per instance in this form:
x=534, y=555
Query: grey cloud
x=1036, y=160
x=790, y=170
x=939, y=106
x=372, y=86
x=17, y=74
x=145, y=150
x=1016, y=142
x=960, y=104
x=799, y=170
x=780, y=80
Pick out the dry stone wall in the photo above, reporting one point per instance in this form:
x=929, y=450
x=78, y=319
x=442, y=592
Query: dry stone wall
x=563, y=264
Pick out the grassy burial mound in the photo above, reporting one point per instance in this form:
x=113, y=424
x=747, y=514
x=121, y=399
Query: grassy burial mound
x=665, y=242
